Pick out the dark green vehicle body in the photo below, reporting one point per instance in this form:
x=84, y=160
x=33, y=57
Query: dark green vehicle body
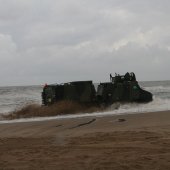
x=120, y=89
x=109, y=93
x=79, y=91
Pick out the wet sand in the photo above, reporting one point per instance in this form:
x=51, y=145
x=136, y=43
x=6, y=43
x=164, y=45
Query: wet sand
x=134, y=141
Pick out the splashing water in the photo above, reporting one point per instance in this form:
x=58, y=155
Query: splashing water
x=12, y=98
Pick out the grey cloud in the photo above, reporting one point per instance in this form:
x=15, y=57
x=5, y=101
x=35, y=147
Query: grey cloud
x=56, y=41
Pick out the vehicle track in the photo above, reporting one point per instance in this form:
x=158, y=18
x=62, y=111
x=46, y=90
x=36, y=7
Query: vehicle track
x=83, y=124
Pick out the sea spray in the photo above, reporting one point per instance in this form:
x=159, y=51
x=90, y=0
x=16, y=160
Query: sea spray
x=13, y=98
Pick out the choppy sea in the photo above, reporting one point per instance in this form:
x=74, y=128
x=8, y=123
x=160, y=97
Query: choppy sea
x=13, y=98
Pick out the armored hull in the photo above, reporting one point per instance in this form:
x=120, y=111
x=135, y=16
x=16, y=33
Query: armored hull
x=120, y=89
x=79, y=91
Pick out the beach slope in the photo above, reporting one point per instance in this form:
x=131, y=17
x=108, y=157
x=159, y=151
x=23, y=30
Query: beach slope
x=134, y=141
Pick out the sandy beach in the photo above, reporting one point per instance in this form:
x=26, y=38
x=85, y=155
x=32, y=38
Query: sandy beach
x=134, y=141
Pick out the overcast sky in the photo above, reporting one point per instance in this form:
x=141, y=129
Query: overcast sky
x=54, y=41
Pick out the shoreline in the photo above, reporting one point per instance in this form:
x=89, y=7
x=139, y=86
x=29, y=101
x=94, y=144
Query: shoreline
x=75, y=116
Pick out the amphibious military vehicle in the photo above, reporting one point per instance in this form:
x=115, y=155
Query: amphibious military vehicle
x=121, y=88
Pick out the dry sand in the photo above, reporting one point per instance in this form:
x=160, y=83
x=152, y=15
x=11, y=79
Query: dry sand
x=126, y=142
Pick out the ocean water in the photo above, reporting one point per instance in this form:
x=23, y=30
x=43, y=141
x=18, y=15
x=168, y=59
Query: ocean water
x=13, y=98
